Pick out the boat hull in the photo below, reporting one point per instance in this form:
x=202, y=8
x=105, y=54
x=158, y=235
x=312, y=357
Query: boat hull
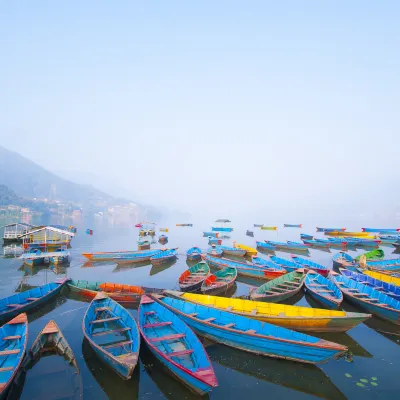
x=216, y=229
x=57, y=260
x=163, y=260
x=194, y=257
x=322, y=300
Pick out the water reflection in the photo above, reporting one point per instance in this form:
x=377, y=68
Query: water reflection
x=156, y=269
x=113, y=386
x=301, y=377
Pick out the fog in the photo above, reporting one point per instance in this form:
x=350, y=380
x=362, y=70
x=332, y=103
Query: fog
x=223, y=108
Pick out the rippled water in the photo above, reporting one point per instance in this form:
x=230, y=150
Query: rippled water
x=371, y=370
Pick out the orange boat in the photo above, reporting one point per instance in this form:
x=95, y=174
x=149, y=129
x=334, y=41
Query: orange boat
x=116, y=291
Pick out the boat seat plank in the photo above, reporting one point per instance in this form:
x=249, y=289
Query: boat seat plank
x=149, y=312
x=325, y=291
x=99, y=321
x=110, y=346
x=102, y=309
x=180, y=353
x=229, y=325
x=33, y=298
x=361, y=294
x=209, y=319
x=14, y=305
x=8, y=352
x=6, y=369
x=167, y=337
x=12, y=337
x=316, y=284
x=192, y=314
x=250, y=331
x=109, y=331
x=157, y=324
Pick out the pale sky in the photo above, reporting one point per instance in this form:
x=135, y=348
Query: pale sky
x=220, y=105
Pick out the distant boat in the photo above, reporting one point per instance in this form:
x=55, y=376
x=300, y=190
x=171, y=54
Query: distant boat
x=163, y=229
x=258, y=225
x=213, y=240
x=192, y=279
x=163, y=239
x=232, y=250
x=250, y=233
x=330, y=229
x=250, y=251
x=189, y=225
x=265, y=246
x=175, y=345
x=323, y=290
x=380, y=230
x=220, y=281
x=106, y=318
x=269, y=228
x=316, y=243
x=212, y=234
x=144, y=245
x=293, y=225
x=354, y=234
x=288, y=245
x=13, y=337
x=131, y=256
x=194, y=253
x=305, y=236
x=221, y=229
x=163, y=257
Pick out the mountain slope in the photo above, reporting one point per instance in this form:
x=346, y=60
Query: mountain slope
x=28, y=179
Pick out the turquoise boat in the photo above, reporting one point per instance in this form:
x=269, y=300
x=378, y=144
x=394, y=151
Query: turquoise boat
x=323, y=290
x=13, y=305
x=221, y=229
x=330, y=229
x=288, y=265
x=315, y=243
x=265, y=246
x=343, y=260
x=287, y=245
x=105, y=319
x=321, y=269
x=233, y=251
x=194, y=254
x=306, y=237
x=212, y=234
x=163, y=257
x=251, y=335
x=175, y=345
x=214, y=251
x=13, y=341
x=381, y=230
x=368, y=298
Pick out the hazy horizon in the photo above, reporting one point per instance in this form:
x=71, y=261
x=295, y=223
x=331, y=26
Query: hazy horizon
x=218, y=109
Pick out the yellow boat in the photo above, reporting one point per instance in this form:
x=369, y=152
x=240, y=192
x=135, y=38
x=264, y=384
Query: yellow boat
x=163, y=229
x=269, y=228
x=383, y=277
x=291, y=317
x=250, y=251
x=365, y=235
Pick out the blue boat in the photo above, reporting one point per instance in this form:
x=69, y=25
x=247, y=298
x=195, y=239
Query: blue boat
x=221, y=229
x=274, y=270
x=330, y=229
x=265, y=246
x=343, y=260
x=315, y=243
x=321, y=269
x=212, y=234
x=25, y=301
x=288, y=265
x=380, y=230
x=252, y=335
x=384, y=263
x=194, y=254
x=122, y=257
x=384, y=287
x=163, y=257
x=243, y=268
x=306, y=237
x=287, y=245
x=175, y=345
x=323, y=290
x=258, y=225
x=13, y=341
x=369, y=299
x=233, y=251
x=293, y=225
x=214, y=251
x=214, y=240
x=106, y=319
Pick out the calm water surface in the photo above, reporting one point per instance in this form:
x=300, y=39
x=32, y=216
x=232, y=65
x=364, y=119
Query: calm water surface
x=371, y=370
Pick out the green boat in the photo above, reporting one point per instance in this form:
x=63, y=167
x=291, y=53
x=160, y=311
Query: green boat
x=377, y=254
x=281, y=288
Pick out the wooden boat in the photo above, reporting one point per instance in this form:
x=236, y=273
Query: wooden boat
x=321, y=269
x=384, y=287
x=291, y=317
x=265, y=246
x=244, y=268
x=293, y=225
x=233, y=251
x=51, y=341
x=330, y=229
x=354, y=234
x=163, y=239
x=25, y=301
x=258, y=225
x=116, y=291
x=361, y=242
x=377, y=254
x=106, y=319
x=163, y=229
x=221, y=229
x=343, y=260
x=127, y=256
x=250, y=233
x=249, y=251
x=213, y=240
x=175, y=345
x=220, y=282
x=138, y=226
x=214, y=251
x=190, y=225
x=194, y=254
x=323, y=290
x=287, y=245
x=288, y=265
x=393, y=280
x=57, y=260
x=280, y=289
x=315, y=243
x=192, y=279
x=13, y=340
x=369, y=299
x=269, y=228
x=380, y=230
x=33, y=257
x=144, y=245
x=212, y=234
x=272, y=270
x=385, y=264
x=306, y=237
x=163, y=257
x=251, y=335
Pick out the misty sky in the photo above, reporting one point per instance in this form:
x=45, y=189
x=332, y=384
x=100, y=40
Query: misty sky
x=227, y=106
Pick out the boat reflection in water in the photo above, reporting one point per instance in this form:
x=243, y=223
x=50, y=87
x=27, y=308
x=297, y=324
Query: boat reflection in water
x=156, y=269
x=303, y=378
x=111, y=384
x=165, y=382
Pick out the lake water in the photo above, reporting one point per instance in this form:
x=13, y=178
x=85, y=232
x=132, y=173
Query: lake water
x=369, y=372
